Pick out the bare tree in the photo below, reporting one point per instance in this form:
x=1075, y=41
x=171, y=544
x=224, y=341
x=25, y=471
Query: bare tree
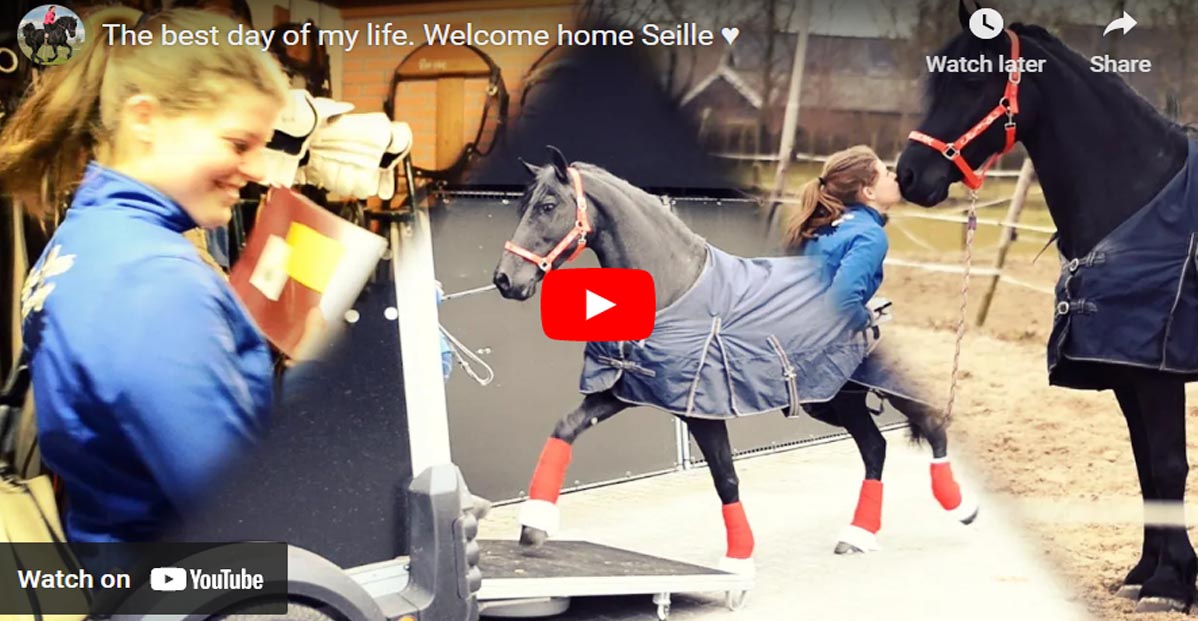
x=769, y=30
x=676, y=64
x=932, y=24
x=1175, y=23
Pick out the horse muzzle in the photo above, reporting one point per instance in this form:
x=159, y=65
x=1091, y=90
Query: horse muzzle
x=925, y=185
x=512, y=288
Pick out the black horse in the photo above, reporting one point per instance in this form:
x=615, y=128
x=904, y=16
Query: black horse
x=1113, y=171
x=35, y=38
x=55, y=35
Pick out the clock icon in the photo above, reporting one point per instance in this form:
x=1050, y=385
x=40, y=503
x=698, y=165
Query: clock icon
x=985, y=23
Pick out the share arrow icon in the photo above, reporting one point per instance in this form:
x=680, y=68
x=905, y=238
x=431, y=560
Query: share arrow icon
x=1125, y=23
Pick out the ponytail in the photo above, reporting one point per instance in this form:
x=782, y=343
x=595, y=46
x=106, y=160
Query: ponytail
x=72, y=115
x=49, y=139
x=822, y=200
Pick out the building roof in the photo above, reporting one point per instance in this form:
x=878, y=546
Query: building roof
x=734, y=79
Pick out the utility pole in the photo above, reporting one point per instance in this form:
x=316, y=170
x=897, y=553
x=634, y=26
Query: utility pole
x=790, y=120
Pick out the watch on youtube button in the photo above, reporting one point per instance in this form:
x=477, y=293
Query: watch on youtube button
x=168, y=579
x=598, y=304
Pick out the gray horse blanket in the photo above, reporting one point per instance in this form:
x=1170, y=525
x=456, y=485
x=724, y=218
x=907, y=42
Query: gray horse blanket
x=1133, y=299
x=750, y=336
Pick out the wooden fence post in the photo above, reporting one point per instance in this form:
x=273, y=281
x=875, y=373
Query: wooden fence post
x=1007, y=236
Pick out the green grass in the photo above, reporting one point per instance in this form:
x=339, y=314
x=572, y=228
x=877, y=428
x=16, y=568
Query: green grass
x=44, y=53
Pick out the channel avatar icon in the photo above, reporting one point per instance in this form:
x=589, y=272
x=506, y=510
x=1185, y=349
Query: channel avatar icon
x=50, y=34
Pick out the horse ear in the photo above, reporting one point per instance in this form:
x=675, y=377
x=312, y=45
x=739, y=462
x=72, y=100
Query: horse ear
x=532, y=169
x=560, y=165
x=965, y=9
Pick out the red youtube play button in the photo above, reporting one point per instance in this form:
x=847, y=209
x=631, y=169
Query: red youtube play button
x=599, y=304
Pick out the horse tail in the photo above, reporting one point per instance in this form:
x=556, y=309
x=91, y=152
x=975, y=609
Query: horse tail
x=49, y=139
x=925, y=423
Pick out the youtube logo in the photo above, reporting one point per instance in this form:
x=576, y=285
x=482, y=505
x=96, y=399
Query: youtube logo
x=168, y=579
x=598, y=304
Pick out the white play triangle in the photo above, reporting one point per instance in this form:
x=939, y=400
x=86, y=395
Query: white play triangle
x=597, y=304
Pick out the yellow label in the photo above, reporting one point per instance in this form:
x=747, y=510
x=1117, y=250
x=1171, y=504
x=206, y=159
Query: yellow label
x=314, y=257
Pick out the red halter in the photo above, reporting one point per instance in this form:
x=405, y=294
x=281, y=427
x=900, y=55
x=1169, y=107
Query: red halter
x=1008, y=105
x=582, y=226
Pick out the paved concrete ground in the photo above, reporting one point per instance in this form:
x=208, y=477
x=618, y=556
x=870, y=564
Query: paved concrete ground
x=929, y=568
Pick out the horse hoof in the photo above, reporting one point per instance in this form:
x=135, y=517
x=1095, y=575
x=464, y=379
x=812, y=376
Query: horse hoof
x=1129, y=591
x=856, y=540
x=967, y=511
x=1160, y=604
x=848, y=548
x=541, y=516
x=532, y=537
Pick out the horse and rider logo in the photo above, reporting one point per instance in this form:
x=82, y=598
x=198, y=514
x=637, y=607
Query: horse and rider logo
x=46, y=30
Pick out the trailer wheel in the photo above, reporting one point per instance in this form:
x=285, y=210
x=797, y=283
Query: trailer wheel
x=296, y=611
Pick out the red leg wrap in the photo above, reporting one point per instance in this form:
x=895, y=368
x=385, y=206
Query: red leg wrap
x=547, y=479
x=869, y=506
x=944, y=486
x=740, y=536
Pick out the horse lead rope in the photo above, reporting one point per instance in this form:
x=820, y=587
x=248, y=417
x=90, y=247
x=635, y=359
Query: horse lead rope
x=467, y=292
x=970, y=227
x=1008, y=105
x=461, y=353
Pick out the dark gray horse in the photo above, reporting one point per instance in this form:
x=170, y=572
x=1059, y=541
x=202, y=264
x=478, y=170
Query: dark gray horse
x=54, y=36
x=1121, y=183
x=629, y=228
x=35, y=38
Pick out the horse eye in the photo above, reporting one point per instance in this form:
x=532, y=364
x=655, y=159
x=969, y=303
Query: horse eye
x=548, y=206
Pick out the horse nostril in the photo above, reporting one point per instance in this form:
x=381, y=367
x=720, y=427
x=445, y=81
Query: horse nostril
x=906, y=177
x=502, y=281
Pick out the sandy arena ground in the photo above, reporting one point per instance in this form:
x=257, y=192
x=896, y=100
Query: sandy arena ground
x=1062, y=456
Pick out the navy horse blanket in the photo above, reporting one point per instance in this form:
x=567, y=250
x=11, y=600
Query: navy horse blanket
x=749, y=336
x=1133, y=299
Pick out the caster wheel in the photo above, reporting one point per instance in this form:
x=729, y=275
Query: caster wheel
x=663, y=606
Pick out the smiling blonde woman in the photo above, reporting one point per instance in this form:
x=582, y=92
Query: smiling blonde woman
x=149, y=377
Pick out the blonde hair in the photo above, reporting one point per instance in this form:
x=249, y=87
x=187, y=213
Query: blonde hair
x=72, y=114
x=822, y=200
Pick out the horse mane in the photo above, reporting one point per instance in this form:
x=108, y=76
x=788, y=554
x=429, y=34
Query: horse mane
x=1081, y=67
x=61, y=22
x=622, y=185
x=537, y=190
x=1059, y=54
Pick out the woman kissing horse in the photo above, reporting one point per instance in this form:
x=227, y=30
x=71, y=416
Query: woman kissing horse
x=732, y=337
x=1121, y=184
